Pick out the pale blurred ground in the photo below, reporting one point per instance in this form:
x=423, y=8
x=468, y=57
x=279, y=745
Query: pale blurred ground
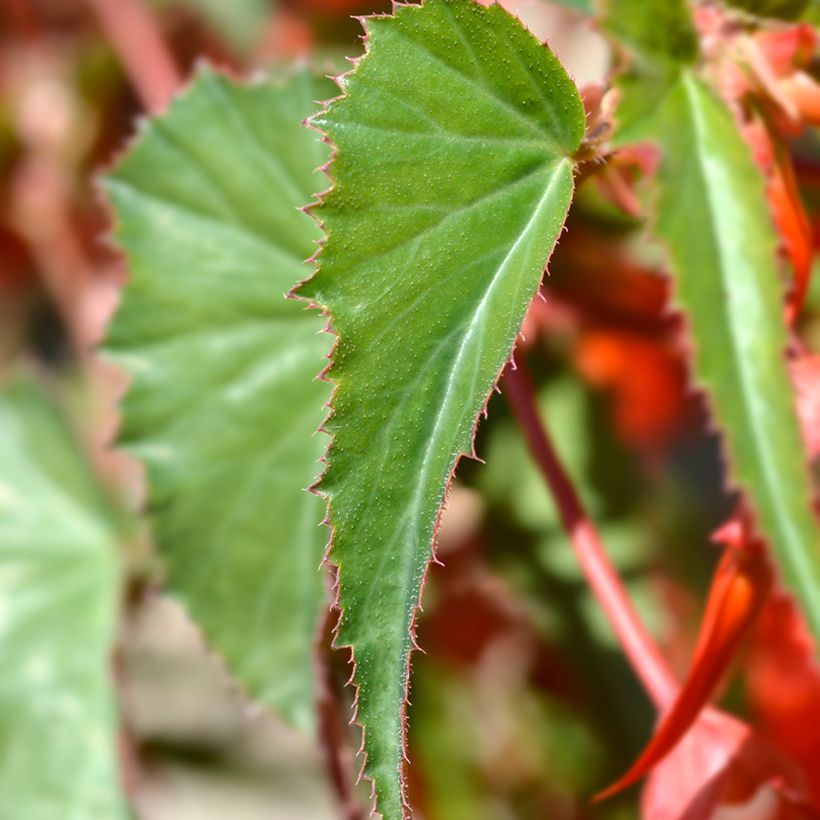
x=582, y=51
x=242, y=762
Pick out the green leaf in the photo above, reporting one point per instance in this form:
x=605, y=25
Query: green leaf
x=786, y=9
x=661, y=39
x=566, y=410
x=59, y=584
x=452, y=180
x=659, y=32
x=812, y=12
x=713, y=217
x=223, y=404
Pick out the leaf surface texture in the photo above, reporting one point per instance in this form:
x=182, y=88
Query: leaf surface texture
x=223, y=404
x=452, y=177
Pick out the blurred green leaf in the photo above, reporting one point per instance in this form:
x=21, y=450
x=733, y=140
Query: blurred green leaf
x=661, y=40
x=452, y=180
x=713, y=217
x=785, y=9
x=657, y=32
x=223, y=403
x=582, y=441
x=714, y=220
x=812, y=13
x=565, y=408
x=59, y=581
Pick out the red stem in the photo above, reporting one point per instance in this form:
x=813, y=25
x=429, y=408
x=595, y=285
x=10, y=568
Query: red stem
x=141, y=49
x=23, y=18
x=649, y=666
x=332, y=740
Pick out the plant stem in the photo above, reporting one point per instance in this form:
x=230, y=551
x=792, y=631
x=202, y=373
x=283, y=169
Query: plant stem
x=141, y=49
x=23, y=19
x=335, y=748
x=643, y=655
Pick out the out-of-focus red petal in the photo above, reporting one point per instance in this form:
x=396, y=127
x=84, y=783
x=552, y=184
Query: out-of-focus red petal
x=16, y=268
x=616, y=188
x=739, y=588
x=606, y=287
x=805, y=375
x=793, y=226
x=804, y=94
x=788, y=213
x=645, y=377
x=783, y=685
x=786, y=48
x=722, y=771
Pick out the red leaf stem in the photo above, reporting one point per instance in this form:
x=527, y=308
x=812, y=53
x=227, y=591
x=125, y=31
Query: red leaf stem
x=739, y=588
x=655, y=676
x=144, y=55
x=338, y=756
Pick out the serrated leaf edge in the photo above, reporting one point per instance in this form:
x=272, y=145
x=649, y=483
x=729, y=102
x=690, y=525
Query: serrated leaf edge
x=684, y=342
x=113, y=357
x=315, y=488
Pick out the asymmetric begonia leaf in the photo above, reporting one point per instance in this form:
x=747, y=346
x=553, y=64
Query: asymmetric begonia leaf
x=58, y=591
x=713, y=218
x=452, y=178
x=223, y=404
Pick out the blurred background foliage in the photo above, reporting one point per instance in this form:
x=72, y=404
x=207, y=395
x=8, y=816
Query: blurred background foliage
x=522, y=705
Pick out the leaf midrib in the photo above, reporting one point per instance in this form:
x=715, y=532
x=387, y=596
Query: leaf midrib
x=498, y=192
x=412, y=511
x=444, y=134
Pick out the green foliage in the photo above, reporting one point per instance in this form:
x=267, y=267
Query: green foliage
x=713, y=217
x=787, y=9
x=528, y=548
x=659, y=32
x=661, y=40
x=223, y=402
x=567, y=410
x=58, y=588
x=452, y=179
x=812, y=13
